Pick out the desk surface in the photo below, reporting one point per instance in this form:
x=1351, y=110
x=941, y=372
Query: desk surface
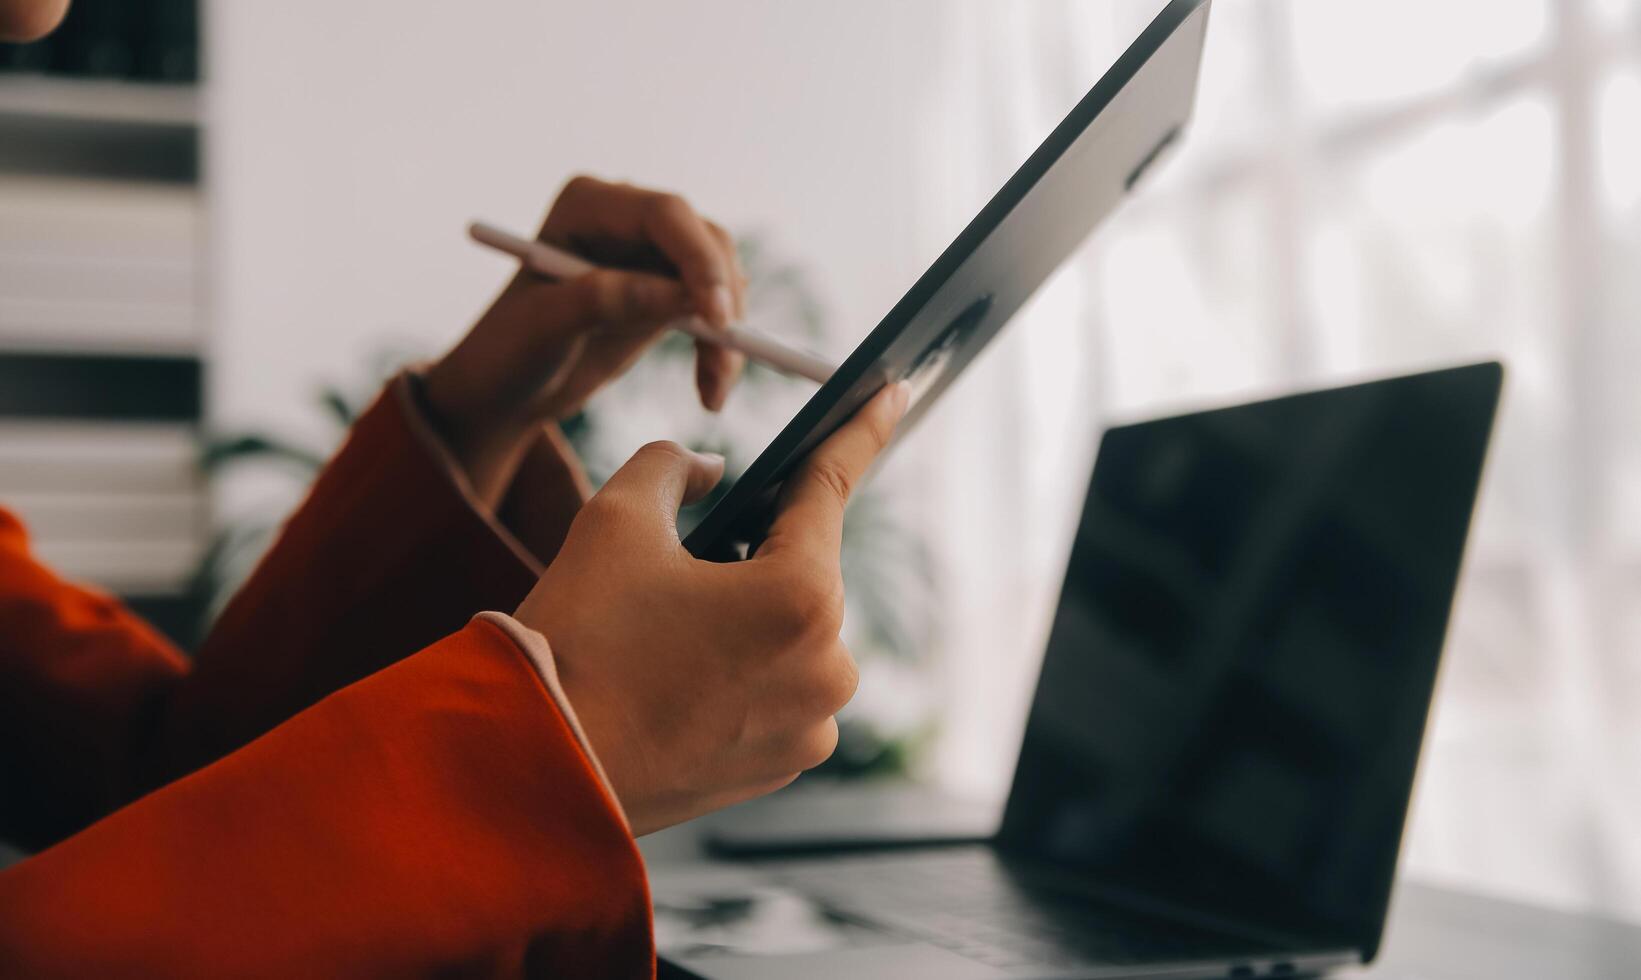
x=1438, y=934
x=1434, y=933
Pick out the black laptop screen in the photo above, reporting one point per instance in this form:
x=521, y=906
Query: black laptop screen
x=1235, y=688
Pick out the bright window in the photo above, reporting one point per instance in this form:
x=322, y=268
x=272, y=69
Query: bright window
x=1369, y=188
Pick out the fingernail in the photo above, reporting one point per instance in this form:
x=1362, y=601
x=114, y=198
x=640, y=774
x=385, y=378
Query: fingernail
x=711, y=459
x=723, y=306
x=715, y=401
x=901, y=395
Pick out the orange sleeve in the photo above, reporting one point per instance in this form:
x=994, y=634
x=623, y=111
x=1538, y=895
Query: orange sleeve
x=436, y=818
x=80, y=678
x=390, y=552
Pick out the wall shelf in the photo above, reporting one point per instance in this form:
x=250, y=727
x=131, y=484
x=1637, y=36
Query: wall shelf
x=95, y=127
x=101, y=381
x=93, y=100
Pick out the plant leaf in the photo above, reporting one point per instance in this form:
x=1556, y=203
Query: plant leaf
x=220, y=452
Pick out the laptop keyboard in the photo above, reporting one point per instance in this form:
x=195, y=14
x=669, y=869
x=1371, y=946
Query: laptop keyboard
x=966, y=901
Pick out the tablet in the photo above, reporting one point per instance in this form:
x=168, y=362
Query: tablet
x=1092, y=160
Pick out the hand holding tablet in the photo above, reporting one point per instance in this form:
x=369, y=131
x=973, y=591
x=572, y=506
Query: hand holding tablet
x=1094, y=158
x=701, y=685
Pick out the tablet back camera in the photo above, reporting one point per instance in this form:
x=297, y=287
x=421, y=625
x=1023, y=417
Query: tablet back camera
x=936, y=359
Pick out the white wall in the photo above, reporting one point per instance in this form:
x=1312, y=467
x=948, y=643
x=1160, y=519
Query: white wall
x=350, y=143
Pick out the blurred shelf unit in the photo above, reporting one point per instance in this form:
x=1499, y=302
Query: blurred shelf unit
x=99, y=456
x=99, y=100
x=99, y=265
x=139, y=40
x=113, y=92
x=102, y=326
x=99, y=129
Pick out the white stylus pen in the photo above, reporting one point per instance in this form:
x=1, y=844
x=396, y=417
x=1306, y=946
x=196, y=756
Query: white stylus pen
x=545, y=260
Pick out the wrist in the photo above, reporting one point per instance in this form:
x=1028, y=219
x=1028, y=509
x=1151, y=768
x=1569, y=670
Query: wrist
x=485, y=441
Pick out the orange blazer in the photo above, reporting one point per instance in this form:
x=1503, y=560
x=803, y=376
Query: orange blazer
x=355, y=777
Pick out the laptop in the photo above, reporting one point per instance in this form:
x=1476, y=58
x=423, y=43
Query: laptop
x=1217, y=764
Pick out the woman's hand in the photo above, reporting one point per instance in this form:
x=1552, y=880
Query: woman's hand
x=702, y=684
x=543, y=348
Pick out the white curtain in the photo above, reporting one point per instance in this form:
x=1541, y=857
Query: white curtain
x=1368, y=188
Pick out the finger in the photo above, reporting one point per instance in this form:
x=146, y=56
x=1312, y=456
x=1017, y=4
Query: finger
x=615, y=296
x=683, y=236
x=809, y=515
x=717, y=368
x=660, y=478
x=717, y=373
x=821, y=685
x=591, y=208
x=817, y=745
x=703, y=477
x=737, y=273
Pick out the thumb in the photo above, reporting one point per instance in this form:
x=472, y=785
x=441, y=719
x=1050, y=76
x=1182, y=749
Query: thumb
x=660, y=478
x=809, y=513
